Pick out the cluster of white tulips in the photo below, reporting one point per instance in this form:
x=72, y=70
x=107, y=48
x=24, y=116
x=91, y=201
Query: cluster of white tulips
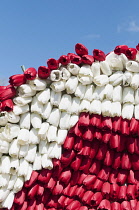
x=32, y=134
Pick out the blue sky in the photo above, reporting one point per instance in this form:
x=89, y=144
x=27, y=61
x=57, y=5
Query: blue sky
x=31, y=31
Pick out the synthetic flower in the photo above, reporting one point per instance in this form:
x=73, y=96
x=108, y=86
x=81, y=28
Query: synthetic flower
x=7, y=92
x=52, y=64
x=99, y=55
x=74, y=58
x=43, y=72
x=30, y=73
x=87, y=59
x=120, y=49
x=80, y=49
x=131, y=53
x=64, y=59
x=17, y=80
x=7, y=105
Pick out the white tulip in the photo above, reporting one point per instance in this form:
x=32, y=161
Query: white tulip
x=85, y=106
x=135, y=81
x=25, y=120
x=55, y=98
x=73, y=120
x=36, y=120
x=64, y=120
x=11, y=182
x=137, y=56
x=95, y=68
x=52, y=133
x=58, y=86
x=55, y=75
x=54, y=150
x=54, y=117
x=80, y=91
x=127, y=111
x=136, y=111
x=95, y=107
x=25, y=90
x=3, y=118
x=47, y=108
x=5, y=164
x=85, y=79
x=108, y=92
x=124, y=59
x=12, y=118
x=115, y=61
x=128, y=95
x=37, y=162
x=65, y=103
x=14, y=148
x=105, y=68
x=23, y=150
x=33, y=136
x=47, y=162
x=27, y=177
x=43, y=96
x=8, y=202
x=20, y=101
x=99, y=93
x=18, y=184
x=101, y=80
x=75, y=107
x=4, y=146
x=89, y=93
x=20, y=109
x=23, y=137
x=137, y=96
x=23, y=167
x=73, y=68
x=61, y=136
x=4, y=180
x=117, y=94
x=43, y=147
x=65, y=73
x=106, y=107
x=127, y=78
x=116, y=78
x=3, y=194
x=85, y=75
x=30, y=157
x=37, y=84
x=10, y=131
x=14, y=166
x=116, y=109
x=71, y=84
x=36, y=106
x=42, y=133
x=132, y=66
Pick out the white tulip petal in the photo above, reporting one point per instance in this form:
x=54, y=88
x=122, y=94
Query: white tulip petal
x=71, y=84
x=85, y=79
x=52, y=133
x=36, y=106
x=43, y=147
x=106, y=107
x=20, y=109
x=116, y=109
x=95, y=107
x=65, y=103
x=136, y=111
x=23, y=137
x=54, y=117
x=124, y=59
x=42, y=133
x=137, y=96
x=61, y=136
x=3, y=118
x=128, y=95
x=25, y=120
x=132, y=66
x=108, y=92
x=14, y=148
x=12, y=118
x=43, y=96
x=3, y=194
x=73, y=120
x=14, y=166
x=89, y=93
x=80, y=91
x=73, y=68
x=27, y=177
x=65, y=73
x=84, y=106
x=54, y=150
x=127, y=111
x=98, y=93
x=4, y=146
x=11, y=182
x=37, y=162
x=20, y=101
x=55, y=98
x=105, y=68
x=135, y=81
x=8, y=202
x=25, y=90
x=58, y=86
x=75, y=107
x=117, y=94
x=23, y=167
x=18, y=184
x=116, y=78
x=30, y=157
x=4, y=180
x=36, y=120
x=127, y=78
x=5, y=164
x=95, y=68
x=64, y=120
x=38, y=84
x=115, y=61
x=33, y=136
x=47, y=162
x=101, y=80
x=47, y=108
x=10, y=131
x=55, y=75
x=23, y=150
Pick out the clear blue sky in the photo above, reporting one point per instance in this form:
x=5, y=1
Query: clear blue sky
x=31, y=31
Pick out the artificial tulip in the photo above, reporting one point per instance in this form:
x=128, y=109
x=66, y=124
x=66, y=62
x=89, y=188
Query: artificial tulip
x=30, y=73
x=99, y=55
x=43, y=72
x=52, y=64
x=7, y=92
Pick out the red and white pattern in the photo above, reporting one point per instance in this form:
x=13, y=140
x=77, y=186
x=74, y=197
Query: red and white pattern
x=69, y=134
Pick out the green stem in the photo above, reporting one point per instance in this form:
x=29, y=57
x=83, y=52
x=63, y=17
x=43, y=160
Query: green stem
x=23, y=68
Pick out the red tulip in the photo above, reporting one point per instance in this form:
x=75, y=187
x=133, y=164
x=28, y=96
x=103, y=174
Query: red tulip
x=80, y=191
x=125, y=205
x=69, y=141
x=43, y=72
x=67, y=157
x=68, y=201
x=64, y=60
x=134, y=123
x=86, y=148
x=17, y=80
x=57, y=190
x=66, y=189
x=105, y=204
x=102, y=151
x=130, y=144
x=20, y=197
x=95, y=120
x=65, y=176
x=81, y=178
x=75, y=177
x=131, y=53
x=97, y=185
x=53, y=201
x=122, y=176
x=74, y=58
x=94, y=149
x=39, y=205
x=30, y=73
x=125, y=161
x=113, y=176
x=78, y=145
x=137, y=47
x=125, y=125
x=99, y=55
x=40, y=190
x=133, y=204
x=106, y=135
x=122, y=193
x=87, y=197
x=131, y=177
x=106, y=123
x=51, y=183
x=95, y=168
x=136, y=145
x=75, y=165
x=131, y=192
x=114, y=140
x=73, y=205
x=135, y=162
x=32, y=180
x=61, y=201
x=7, y=105
x=80, y=49
x=109, y=157
x=72, y=191
x=84, y=119
x=89, y=180
x=52, y=64
x=57, y=167
x=105, y=190
x=96, y=199
x=97, y=134
x=31, y=204
x=44, y=175
x=7, y=92
x=78, y=131
x=104, y=173
x=120, y=49
x=33, y=191
x=85, y=165
x=114, y=191
x=24, y=206
x=116, y=160
x=116, y=124
x=115, y=206
x=122, y=143
x=87, y=59
x=88, y=134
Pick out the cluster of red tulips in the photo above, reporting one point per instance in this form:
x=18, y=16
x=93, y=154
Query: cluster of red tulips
x=98, y=169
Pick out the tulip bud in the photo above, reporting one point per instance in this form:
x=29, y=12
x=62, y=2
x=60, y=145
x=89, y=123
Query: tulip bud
x=120, y=49
x=71, y=84
x=99, y=55
x=73, y=68
x=101, y=80
x=7, y=203
x=25, y=90
x=74, y=58
x=23, y=167
x=37, y=84
x=17, y=80
x=7, y=92
x=55, y=98
x=64, y=59
x=52, y=64
x=56, y=75
x=37, y=162
x=43, y=72
x=30, y=157
x=131, y=53
x=105, y=68
x=58, y=86
x=87, y=59
x=23, y=136
x=30, y=73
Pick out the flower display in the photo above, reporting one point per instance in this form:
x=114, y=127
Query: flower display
x=69, y=133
